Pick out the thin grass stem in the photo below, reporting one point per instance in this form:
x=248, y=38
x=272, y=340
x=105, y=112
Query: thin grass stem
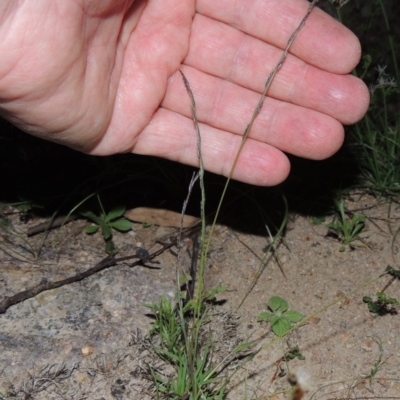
x=394, y=55
x=255, y=114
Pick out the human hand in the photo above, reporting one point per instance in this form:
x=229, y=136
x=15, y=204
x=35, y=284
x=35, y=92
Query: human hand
x=103, y=77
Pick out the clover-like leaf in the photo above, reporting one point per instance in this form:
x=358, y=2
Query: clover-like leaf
x=281, y=318
x=276, y=303
x=281, y=326
x=293, y=316
x=264, y=316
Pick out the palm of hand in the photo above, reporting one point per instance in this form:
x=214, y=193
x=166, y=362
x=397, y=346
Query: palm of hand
x=105, y=69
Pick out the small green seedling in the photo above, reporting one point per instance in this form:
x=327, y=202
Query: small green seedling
x=211, y=295
x=383, y=305
x=4, y=222
x=281, y=318
x=26, y=206
x=346, y=228
x=379, y=362
x=395, y=273
x=168, y=328
x=108, y=222
x=293, y=353
x=169, y=339
x=318, y=220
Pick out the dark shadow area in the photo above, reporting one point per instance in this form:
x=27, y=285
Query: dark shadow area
x=43, y=178
x=313, y=186
x=55, y=177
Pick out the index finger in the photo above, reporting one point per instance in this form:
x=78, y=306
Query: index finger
x=322, y=42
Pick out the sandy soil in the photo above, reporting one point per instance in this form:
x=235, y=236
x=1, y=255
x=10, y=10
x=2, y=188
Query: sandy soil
x=86, y=339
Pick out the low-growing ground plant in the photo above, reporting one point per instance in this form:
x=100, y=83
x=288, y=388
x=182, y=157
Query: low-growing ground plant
x=379, y=362
x=106, y=222
x=383, y=304
x=281, y=317
x=293, y=353
x=195, y=375
x=346, y=227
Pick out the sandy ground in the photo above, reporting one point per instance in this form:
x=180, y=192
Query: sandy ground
x=86, y=340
